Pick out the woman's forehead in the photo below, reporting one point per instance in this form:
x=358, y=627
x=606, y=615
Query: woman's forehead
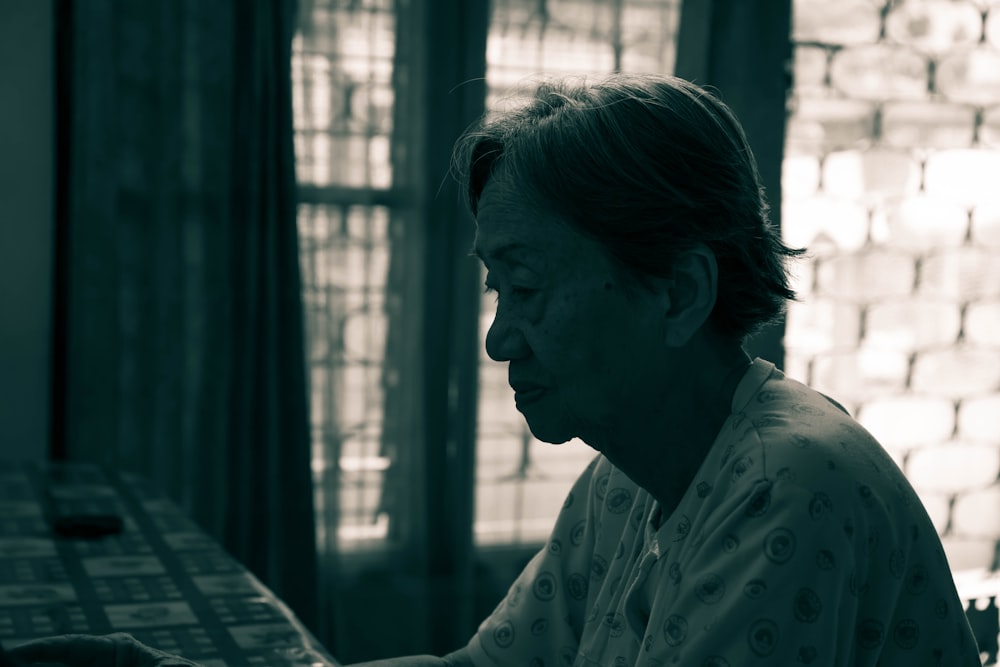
x=509, y=226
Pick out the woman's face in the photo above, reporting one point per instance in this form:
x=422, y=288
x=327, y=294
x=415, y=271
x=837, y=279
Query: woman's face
x=584, y=353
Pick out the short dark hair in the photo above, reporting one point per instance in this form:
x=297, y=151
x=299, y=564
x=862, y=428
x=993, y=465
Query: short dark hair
x=648, y=166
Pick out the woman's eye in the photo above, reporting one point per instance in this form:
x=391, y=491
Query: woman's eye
x=515, y=291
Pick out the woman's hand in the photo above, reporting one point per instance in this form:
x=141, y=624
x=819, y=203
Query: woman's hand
x=116, y=650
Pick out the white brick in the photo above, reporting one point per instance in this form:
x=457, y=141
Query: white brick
x=797, y=366
x=923, y=223
x=867, y=276
x=873, y=174
x=964, y=176
x=860, y=375
x=956, y=372
x=979, y=419
x=820, y=124
x=897, y=454
x=989, y=132
x=976, y=514
x=970, y=76
x=969, y=554
x=801, y=274
x=930, y=124
x=824, y=224
x=799, y=176
x=842, y=22
x=938, y=506
x=820, y=325
x=934, y=26
x=963, y=273
x=809, y=63
x=982, y=323
x=912, y=324
x=986, y=223
x=908, y=421
x=954, y=468
x=992, y=30
x=880, y=72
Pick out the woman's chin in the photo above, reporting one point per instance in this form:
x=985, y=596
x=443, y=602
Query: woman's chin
x=548, y=432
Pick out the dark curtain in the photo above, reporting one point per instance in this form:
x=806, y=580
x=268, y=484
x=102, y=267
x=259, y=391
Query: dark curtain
x=743, y=48
x=180, y=298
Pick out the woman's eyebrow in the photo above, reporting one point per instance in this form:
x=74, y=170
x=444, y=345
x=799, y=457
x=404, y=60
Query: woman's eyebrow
x=502, y=252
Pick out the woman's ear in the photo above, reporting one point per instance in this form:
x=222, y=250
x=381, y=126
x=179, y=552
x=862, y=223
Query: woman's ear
x=692, y=293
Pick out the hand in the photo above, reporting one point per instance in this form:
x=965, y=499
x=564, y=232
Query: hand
x=116, y=650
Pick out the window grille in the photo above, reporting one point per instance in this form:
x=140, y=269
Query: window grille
x=342, y=93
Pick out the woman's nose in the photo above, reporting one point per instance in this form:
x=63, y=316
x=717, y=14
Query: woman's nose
x=504, y=341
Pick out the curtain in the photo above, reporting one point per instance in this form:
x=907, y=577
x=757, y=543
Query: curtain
x=181, y=308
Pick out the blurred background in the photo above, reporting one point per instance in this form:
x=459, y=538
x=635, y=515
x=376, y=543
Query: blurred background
x=232, y=260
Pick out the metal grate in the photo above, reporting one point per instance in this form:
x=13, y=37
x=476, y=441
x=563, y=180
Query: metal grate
x=342, y=94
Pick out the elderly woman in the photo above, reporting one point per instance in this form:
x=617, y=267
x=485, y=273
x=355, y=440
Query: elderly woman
x=733, y=516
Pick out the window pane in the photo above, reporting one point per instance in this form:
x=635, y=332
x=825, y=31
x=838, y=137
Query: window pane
x=342, y=61
x=342, y=93
x=344, y=264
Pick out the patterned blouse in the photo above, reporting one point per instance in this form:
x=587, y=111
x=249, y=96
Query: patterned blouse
x=799, y=542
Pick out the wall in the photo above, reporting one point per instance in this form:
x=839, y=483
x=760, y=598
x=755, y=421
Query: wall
x=27, y=151
x=890, y=178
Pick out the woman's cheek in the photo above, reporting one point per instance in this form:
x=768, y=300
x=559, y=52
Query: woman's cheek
x=535, y=310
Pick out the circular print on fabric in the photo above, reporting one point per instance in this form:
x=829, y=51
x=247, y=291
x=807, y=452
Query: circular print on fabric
x=870, y=634
x=807, y=605
x=539, y=626
x=675, y=630
x=544, y=587
x=710, y=589
x=618, y=500
x=763, y=637
x=576, y=586
x=503, y=634
x=755, y=588
x=779, y=546
x=906, y=634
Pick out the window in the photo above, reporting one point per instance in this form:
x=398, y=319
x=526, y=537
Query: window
x=343, y=97
x=342, y=88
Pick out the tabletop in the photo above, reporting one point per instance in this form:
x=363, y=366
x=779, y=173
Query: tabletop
x=161, y=579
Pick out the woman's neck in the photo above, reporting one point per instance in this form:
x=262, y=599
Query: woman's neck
x=662, y=451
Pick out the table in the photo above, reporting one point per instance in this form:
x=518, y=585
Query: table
x=162, y=579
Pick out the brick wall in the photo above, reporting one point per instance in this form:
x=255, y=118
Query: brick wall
x=892, y=179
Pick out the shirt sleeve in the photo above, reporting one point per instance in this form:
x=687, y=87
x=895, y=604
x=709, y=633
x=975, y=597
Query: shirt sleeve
x=540, y=619
x=803, y=575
